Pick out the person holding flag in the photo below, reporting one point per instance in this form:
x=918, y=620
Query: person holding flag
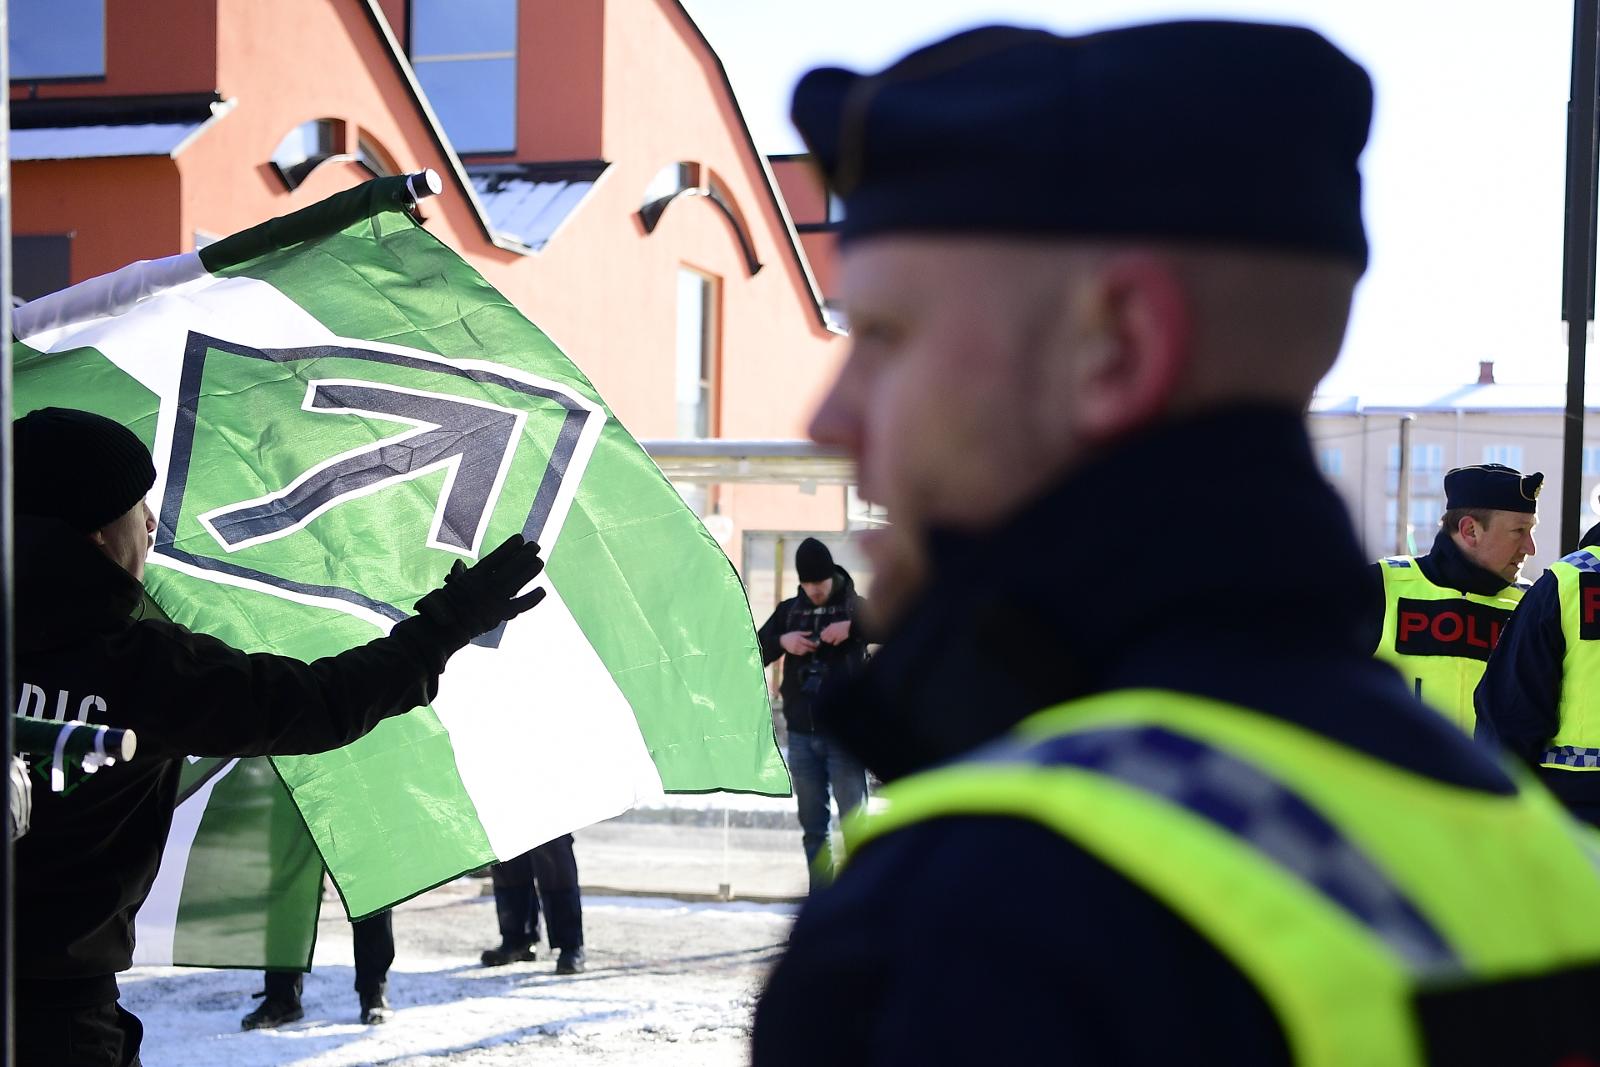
x=83, y=533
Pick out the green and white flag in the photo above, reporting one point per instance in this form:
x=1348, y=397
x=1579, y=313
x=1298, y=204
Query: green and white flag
x=339, y=407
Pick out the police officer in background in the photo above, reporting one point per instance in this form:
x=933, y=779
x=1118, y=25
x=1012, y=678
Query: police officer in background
x=1438, y=616
x=1222, y=832
x=1540, y=693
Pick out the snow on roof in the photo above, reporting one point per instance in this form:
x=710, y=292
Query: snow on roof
x=527, y=202
x=1499, y=397
x=98, y=142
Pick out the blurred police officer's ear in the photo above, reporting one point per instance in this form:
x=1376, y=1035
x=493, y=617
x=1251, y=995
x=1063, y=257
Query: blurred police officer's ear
x=1135, y=339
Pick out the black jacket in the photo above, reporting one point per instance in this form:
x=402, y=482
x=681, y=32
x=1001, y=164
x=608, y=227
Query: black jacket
x=91, y=856
x=831, y=662
x=987, y=940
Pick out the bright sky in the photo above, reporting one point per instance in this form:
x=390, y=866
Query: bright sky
x=1464, y=173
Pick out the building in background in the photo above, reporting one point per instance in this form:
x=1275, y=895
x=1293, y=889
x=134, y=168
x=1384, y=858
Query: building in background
x=597, y=171
x=1357, y=445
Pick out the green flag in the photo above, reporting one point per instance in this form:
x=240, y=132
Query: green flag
x=340, y=407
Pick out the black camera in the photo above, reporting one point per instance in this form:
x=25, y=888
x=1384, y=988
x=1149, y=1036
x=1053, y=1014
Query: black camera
x=812, y=670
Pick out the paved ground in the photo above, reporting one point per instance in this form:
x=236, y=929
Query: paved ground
x=693, y=861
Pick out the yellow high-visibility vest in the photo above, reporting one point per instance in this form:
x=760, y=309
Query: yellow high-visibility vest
x=1440, y=639
x=1352, y=893
x=1576, y=745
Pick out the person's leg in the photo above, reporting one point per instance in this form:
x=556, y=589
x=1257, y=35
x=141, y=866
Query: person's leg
x=132, y=1036
x=848, y=778
x=284, y=985
x=280, y=1001
x=557, y=872
x=516, y=908
x=51, y=1036
x=373, y=941
x=808, y=770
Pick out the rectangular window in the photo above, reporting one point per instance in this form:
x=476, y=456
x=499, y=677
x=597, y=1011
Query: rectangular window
x=1427, y=468
x=1330, y=461
x=1510, y=455
x=57, y=39
x=1591, y=460
x=1425, y=512
x=465, y=56
x=696, y=351
x=862, y=514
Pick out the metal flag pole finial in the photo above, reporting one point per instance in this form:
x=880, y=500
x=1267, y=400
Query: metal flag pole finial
x=424, y=183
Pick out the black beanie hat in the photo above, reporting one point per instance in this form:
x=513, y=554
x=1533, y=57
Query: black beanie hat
x=78, y=467
x=812, y=561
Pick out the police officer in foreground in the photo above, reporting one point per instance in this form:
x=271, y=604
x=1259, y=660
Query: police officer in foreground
x=88, y=861
x=1145, y=808
x=1437, y=617
x=1540, y=693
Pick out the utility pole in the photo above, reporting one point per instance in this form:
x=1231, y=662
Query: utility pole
x=1578, y=258
x=1402, y=510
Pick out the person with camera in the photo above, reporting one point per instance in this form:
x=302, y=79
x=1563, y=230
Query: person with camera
x=818, y=634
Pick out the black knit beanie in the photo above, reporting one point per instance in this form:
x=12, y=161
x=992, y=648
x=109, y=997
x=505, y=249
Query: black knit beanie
x=78, y=467
x=812, y=561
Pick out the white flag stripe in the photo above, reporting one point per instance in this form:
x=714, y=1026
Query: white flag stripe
x=157, y=922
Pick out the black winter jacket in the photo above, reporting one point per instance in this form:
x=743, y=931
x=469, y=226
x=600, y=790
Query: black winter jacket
x=994, y=940
x=92, y=854
x=834, y=661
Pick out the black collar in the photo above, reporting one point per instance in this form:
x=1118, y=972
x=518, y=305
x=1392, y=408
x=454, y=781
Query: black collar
x=1206, y=555
x=1449, y=568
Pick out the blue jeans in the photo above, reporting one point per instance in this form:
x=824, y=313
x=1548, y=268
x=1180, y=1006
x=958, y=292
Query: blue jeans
x=814, y=763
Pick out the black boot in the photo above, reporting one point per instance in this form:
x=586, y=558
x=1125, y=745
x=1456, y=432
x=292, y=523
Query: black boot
x=570, y=961
x=504, y=954
x=273, y=1012
x=375, y=1007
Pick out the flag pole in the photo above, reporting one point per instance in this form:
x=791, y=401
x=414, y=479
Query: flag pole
x=7, y=662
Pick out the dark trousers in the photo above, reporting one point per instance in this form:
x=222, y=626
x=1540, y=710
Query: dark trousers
x=104, y=1036
x=548, y=873
x=816, y=764
x=373, y=940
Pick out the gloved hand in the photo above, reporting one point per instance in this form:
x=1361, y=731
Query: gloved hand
x=474, y=600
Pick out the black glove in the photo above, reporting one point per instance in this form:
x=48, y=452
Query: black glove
x=476, y=599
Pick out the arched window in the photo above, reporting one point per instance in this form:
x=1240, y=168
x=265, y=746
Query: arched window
x=306, y=147
x=371, y=154
x=693, y=179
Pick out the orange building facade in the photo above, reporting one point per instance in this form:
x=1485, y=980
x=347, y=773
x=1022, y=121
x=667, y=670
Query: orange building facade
x=597, y=171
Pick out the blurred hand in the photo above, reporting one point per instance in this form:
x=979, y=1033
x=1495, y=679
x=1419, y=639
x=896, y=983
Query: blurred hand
x=478, y=598
x=836, y=633
x=797, y=643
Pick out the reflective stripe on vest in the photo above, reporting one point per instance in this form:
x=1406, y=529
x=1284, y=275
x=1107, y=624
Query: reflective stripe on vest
x=1438, y=638
x=1339, y=885
x=1576, y=745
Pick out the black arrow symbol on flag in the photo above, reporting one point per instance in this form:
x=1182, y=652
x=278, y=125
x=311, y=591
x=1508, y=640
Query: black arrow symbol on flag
x=472, y=441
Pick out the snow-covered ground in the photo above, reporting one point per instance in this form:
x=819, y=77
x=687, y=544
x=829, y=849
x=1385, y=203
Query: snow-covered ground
x=668, y=984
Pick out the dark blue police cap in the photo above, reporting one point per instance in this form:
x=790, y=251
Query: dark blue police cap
x=1493, y=486
x=1217, y=132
